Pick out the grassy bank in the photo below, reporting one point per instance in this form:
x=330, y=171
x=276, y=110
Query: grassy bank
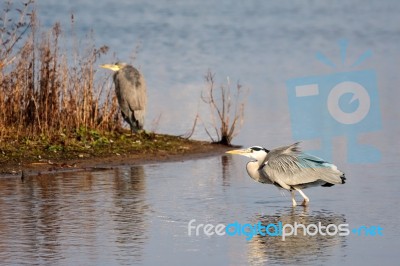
x=88, y=144
x=90, y=148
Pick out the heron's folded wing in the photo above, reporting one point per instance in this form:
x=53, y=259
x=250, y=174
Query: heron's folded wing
x=135, y=88
x=299, y=169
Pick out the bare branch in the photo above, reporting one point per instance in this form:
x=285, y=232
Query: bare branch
x=226, y=113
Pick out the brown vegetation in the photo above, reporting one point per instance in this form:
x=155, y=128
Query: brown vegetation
x=43, y=91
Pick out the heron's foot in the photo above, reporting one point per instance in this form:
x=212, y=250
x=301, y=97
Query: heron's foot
x=306, y=199
x=138, y=132
x=146, y=134
x=305, y=202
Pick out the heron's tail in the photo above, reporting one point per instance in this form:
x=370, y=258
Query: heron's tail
x=329, y=184
x=343, y=178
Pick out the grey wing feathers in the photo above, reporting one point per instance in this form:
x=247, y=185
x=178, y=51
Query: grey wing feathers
x=288, y=166
x=136, y=95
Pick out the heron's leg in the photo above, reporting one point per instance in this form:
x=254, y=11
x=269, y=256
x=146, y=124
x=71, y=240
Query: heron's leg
x=293, y=199
x=306, y=199
x=134, y=129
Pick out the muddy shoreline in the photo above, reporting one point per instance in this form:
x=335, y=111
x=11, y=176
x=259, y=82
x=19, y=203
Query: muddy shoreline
x=25, y=169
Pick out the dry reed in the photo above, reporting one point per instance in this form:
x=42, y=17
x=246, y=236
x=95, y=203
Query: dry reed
x=41, y=92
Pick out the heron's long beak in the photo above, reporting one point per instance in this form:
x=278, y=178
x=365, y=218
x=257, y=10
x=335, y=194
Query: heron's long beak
x=240, y=152
x=111, y=66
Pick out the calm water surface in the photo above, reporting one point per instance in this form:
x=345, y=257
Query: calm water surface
x=140, y=214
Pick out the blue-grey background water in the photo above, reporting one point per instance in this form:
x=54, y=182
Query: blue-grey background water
x=140, y=214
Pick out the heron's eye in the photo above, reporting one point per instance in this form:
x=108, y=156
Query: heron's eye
x=255, y=149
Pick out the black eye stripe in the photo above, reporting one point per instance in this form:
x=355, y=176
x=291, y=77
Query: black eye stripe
x=259, y=149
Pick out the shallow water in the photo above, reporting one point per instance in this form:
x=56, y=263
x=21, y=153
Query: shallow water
x=140, y=214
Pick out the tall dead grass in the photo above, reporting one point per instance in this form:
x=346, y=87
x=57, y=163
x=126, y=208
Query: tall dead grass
x=43, y=90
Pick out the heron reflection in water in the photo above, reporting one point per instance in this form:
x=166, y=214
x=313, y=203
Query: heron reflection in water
x=289, y=168
x=130, y=88
x=298, y=248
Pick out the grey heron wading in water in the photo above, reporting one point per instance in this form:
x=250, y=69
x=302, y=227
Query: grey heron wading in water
x=289, y=168
x=130, y=88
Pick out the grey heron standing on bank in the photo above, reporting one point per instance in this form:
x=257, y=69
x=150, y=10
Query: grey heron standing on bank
x=130, y=88
x=289, y=168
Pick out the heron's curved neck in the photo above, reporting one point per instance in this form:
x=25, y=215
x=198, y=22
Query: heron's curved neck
x=252, y=168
